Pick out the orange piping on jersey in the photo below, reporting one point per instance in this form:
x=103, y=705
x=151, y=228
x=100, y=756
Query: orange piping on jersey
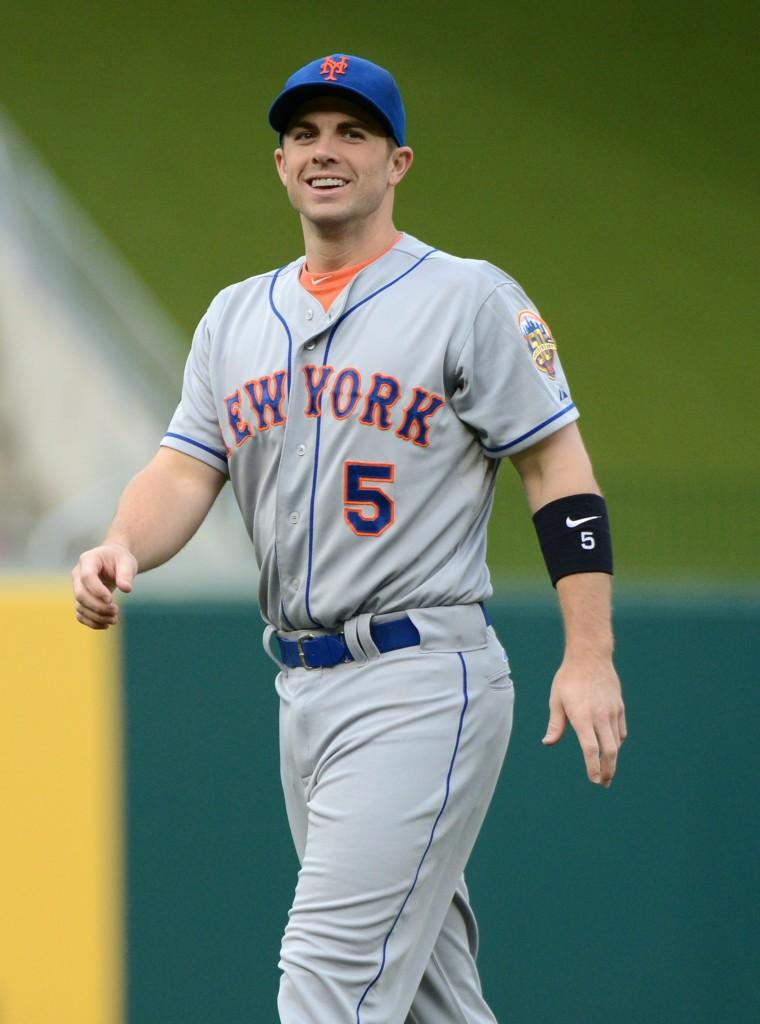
x=340, y=410
x=356, y=506
x=241, y=428
x=375, y=403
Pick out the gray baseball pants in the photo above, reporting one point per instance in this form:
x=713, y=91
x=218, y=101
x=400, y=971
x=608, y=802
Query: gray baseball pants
x=388, y=766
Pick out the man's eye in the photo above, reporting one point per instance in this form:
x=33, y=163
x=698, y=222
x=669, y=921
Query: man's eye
x=354, y=133
x=303, y=134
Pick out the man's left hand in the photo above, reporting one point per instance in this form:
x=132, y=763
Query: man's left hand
x=587, y=694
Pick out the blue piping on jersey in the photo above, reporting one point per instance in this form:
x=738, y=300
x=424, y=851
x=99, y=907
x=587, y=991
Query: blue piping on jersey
x=344, y=315
x=284, y=323
x=205, y=447
x=285, y=616
x=282, y=320
x=429, y=842
x=517, y=440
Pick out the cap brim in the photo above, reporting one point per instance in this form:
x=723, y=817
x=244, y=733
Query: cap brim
x=284, y=107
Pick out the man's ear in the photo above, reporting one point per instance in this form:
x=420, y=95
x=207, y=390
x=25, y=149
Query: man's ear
x=279, y=160
x=401, y=161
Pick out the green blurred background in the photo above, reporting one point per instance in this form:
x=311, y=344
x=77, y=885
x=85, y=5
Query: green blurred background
x=604, y=154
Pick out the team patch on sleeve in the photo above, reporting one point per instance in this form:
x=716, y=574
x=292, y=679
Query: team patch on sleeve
x=543, y=347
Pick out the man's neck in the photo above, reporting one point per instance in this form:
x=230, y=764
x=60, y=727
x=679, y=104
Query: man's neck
x=330, y=251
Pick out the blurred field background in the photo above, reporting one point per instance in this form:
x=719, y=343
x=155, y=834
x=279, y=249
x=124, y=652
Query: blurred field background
x=603, y=154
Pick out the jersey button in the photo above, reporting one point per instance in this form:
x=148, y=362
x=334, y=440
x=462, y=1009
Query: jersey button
x=310, y=345
x=301, y=449
x=309, y=314
x=295, y=584
x=293, y=518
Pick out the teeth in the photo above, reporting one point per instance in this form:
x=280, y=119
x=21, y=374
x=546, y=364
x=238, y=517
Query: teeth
x=327, y=182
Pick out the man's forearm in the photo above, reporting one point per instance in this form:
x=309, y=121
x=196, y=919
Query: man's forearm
x=586, y=688
x=586, y=603
x=159, y=511
x=162, y=507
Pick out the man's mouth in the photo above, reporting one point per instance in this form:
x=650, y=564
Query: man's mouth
x=327, y=183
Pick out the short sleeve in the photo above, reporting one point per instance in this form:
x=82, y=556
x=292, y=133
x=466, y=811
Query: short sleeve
x=511, y=390
x=194, y=428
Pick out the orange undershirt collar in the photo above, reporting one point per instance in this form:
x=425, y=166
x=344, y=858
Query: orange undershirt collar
x=327, y=287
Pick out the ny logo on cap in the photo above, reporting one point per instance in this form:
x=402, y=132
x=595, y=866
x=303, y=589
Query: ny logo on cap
x=331, y=68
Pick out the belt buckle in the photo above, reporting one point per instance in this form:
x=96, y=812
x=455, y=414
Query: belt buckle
x=299, y=648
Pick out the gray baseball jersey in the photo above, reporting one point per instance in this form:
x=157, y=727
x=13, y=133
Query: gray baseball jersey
x=363, y=443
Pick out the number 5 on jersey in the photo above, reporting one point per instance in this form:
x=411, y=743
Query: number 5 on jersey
x=367, y=510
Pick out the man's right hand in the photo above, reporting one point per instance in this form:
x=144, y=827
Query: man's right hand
x=96, y=575
x=159, y=511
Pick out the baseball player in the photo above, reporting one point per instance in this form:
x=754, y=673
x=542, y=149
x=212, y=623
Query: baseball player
x=361, y=400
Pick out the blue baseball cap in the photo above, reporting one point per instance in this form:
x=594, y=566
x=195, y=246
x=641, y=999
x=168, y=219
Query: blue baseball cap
x=344, y=75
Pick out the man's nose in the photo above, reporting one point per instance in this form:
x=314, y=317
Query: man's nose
x=323, y=151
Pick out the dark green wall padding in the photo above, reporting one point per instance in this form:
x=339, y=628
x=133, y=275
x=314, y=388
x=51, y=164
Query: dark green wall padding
x=633, y=904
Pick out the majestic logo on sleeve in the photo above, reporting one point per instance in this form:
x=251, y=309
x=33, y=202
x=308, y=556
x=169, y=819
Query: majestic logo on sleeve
x=542, y=345
x=330, y=68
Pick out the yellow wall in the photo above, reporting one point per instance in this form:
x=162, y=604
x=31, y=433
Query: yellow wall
x=60, y=814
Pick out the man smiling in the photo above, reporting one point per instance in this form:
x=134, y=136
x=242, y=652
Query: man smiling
x=361, y=400
x=340, y=170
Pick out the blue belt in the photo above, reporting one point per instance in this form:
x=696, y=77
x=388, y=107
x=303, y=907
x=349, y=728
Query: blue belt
x=329, y=649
